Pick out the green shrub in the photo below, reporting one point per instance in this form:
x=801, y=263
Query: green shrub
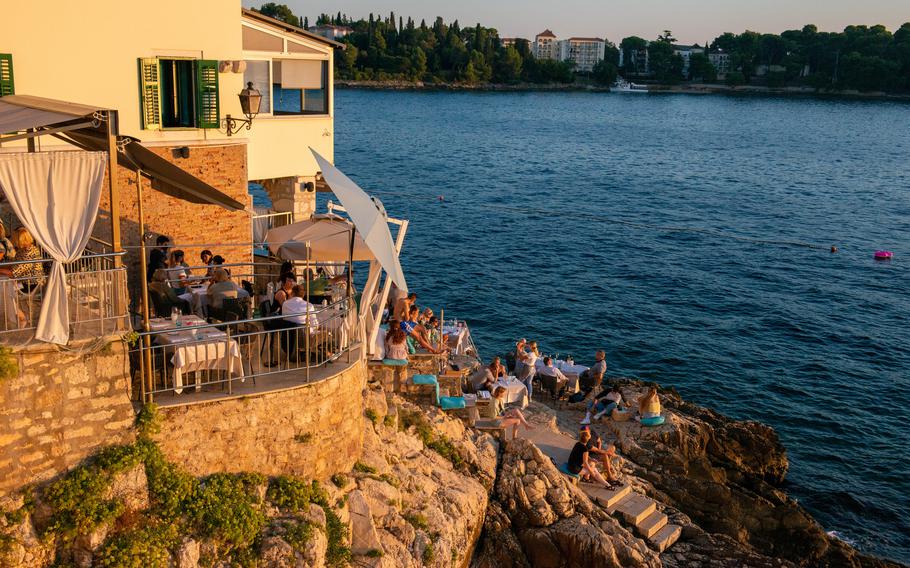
x=293, y=494
x=171, y=489
x=429, y=553
x=390, y=479
x=374, y=553
x=304, y=438
x=437, y=442
x=143, y=547
x=340, y=480
x=299, y=534
x=148, y=422
x=418, y=521
x=337, y=553
x=226, y=509
x=9, y=364
x=361, y=467
x=389, y=420
x=372, y=415
x=77, y=498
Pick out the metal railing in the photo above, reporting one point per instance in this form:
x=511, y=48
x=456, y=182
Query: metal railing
x=216, y=357
x=95, y=289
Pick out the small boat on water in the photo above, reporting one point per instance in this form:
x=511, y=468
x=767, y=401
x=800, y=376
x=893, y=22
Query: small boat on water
x=622, y=86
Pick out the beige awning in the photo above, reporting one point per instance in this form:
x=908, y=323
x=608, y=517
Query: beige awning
x=23, y=112
x=328, y=237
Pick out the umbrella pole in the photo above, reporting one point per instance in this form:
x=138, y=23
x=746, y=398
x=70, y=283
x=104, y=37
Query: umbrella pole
x=350, y=290
x=146, y=353
x=306, y=313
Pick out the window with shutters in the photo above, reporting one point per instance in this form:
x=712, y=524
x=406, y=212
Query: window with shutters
x=300, y=86
x=6, y=75
x=179, y=93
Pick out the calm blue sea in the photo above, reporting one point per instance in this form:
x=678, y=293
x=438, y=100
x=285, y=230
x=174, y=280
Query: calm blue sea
x=689, y=237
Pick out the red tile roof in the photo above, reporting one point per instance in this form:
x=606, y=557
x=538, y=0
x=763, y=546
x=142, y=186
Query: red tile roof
x=546, y=33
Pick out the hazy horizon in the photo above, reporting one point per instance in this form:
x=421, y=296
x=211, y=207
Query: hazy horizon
x=696, y=21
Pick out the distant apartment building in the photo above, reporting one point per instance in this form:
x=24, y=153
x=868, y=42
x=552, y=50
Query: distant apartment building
x=585, y=52
x=721, y=63
x=508, y=41
x=330, y=31
x=545, y=46
x=686, y=52
x=637, y=60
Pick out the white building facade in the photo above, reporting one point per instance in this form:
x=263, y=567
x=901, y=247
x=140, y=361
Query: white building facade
x=686, y=52
x=585, y=52
x=546, y=46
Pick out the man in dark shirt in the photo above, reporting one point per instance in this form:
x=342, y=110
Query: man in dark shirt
x=158, y=256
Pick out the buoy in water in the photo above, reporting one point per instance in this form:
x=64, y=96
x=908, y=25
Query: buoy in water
x=883, y=255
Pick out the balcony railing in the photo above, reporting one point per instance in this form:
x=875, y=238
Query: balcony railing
x=96, y=292
x=213, y=358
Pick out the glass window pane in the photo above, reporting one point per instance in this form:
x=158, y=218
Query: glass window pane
x=257, y=72
x=287, y=101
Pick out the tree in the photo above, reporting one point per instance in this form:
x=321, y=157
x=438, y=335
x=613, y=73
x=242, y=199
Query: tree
x=666, y=37
x=508, y=66
x=306, y=23
x=700, y=67
x=634, y=50
x=604, y=72
x=666, y=65
x=279, y=12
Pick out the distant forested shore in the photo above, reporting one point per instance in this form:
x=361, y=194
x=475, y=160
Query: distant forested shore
x=392, y=49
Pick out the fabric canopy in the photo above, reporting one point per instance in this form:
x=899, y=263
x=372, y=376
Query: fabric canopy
x=370, y=222
x=166, y=177
x=56, y=197
x=329, y=238
x=21, y=112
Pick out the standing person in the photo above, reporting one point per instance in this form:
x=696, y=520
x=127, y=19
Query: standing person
x=519, y=355
x=529, y=368
x=158, y=256
x=593, y=377
x=580, y=462
x=508, y=417
x=403, y=307
x=30, y=274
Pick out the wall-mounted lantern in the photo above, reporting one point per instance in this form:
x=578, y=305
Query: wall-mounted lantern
x=250, y=100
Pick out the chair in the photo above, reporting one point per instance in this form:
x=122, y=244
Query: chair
x=163, y=306
x=549, y=384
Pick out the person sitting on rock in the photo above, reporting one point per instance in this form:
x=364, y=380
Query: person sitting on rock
x=591, y=379
x=604, y=403
x=507, y=417
x=581, y=464
x=417, y=331
x=606, y=454
x=649, y=404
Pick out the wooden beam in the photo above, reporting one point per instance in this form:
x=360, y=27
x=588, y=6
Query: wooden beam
x=113, y=186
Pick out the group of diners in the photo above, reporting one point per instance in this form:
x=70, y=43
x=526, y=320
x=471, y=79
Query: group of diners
x=408, y=322
x=18, y=247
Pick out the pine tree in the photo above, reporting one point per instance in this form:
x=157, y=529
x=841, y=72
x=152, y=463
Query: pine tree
x=306, y=23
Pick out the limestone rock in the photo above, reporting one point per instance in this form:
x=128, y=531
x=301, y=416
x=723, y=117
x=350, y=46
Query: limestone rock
x=363, y=532
x=187, y=554
x=131, y=488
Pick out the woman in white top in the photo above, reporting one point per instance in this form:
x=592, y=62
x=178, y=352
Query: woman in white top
x=529, y=367
x=177, y=271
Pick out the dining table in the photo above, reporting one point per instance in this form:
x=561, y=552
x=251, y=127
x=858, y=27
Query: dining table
x=192, y=348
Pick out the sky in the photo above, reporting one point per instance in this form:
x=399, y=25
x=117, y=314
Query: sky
x=691, y=21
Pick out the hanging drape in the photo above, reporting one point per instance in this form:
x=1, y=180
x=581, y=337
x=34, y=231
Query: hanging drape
x=56, y=196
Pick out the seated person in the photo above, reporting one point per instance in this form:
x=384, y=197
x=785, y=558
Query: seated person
x=217, y=261
x=205, y=257
x=548, y=370
x=604, y=455
x=425, y=315
x=649, y=404
x=168, y=294
x=507, y=417
x=604, y=403
x=497, y=369
x=178, y=271
x=13, y=316
x=318, y=287
x=486, y=377
x=417, y=331
x=222, y=288
x=591, y=379
x=580, y=462
x=158, y=256
x=298, y=311
x=396, y=343
x=285, y=289
x=432, y=329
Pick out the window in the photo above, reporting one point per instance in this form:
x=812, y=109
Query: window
x=6, y=75
x=257, y=73
x=300, y=86
x=179, y=93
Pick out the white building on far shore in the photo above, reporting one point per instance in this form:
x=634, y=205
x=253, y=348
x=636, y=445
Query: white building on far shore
x=686, y=52
x=585, y=52
x=545, y=46
x=330, y=31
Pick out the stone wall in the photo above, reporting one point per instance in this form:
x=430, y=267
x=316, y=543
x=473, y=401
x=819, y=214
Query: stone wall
x=60, y=409
x=312, y=431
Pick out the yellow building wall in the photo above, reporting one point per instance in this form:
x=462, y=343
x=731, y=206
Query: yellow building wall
x=87, y=51
x=279, y=146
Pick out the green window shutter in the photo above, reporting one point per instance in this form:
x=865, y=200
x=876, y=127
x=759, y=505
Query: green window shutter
x=207, y=115
x=150, y=93
x=6, y=75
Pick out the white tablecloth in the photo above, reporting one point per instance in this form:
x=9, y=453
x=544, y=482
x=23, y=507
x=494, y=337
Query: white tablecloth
x=199, y=300
x=458, y=338
x=515, y=390
x=208, y=351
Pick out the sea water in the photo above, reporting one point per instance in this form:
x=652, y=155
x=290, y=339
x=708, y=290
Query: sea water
x=689, y=237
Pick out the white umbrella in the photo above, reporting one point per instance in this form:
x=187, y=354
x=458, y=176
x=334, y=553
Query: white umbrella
x=329, y=240
x=371, y=223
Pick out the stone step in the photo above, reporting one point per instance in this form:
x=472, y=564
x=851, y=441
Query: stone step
x=665, y=537
x=634, y=508
x=603, y=496
x=649, y=526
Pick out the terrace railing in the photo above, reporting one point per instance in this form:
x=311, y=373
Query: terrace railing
x=96, y=291
x=217, y=357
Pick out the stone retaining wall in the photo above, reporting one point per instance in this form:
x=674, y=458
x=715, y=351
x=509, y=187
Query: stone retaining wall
x=60, y=409
x=311, y=431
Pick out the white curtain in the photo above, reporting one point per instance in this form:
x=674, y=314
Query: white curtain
x=55, y=195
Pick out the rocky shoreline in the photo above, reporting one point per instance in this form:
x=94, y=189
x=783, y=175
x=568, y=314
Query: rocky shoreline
x=692, y=89
x=429, y=491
